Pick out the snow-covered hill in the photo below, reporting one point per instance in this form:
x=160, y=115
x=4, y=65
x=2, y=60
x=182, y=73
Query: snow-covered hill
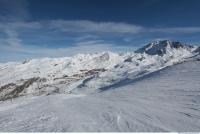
x=133, y=91
x=87, y=73
x=166, y=100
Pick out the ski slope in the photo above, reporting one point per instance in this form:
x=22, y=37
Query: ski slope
x=166, y=100
x=154, y=89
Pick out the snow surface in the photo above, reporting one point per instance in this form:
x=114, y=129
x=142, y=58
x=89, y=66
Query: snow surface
x=105, y=91
x=166, y=100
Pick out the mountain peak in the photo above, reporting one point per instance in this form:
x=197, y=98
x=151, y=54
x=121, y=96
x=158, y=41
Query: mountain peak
x=160, y=47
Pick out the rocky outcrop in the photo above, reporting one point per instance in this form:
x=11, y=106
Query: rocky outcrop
x=12, y=90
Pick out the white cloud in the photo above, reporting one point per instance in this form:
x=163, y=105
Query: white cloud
x=176, y=30
x=87, y=37
x=85, y=26
x=79, y=47
x=20, y=25
x=91, y=26
x=12, y=40
x=114, y=27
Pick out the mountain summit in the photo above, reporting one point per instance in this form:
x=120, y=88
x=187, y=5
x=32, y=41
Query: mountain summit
x=161, y=47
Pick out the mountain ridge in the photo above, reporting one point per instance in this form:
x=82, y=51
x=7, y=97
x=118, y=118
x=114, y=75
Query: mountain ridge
x=88, y=73
x=160, y=47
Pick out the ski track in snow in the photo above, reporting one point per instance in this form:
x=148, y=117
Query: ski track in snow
x=166, y=100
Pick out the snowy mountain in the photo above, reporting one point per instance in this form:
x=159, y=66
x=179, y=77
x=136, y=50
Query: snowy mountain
x=88, y=73
x=164, y=47
x=86, y=82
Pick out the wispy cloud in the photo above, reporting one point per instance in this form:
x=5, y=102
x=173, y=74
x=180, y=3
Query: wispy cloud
x=176, y=30
x=83, y=47
x=85, y=26
x=13, y=40
x=91, y=26
x=87, y=37
x=90, y=36
x=114, y=27
x=79, y=47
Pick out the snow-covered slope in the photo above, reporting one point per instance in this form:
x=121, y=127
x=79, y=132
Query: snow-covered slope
x=87, y=73
x=166, y=100
x=155, y=88
x=165, y=46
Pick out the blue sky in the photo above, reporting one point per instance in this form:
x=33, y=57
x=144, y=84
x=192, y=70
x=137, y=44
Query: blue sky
x=56, y=28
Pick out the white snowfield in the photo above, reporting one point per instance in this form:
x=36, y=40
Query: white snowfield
x=141, y=91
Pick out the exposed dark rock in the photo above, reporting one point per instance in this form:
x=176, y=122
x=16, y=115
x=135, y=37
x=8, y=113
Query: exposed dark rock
x=141, y=59
x=25, y=61
x=84, y=70
x=64, y=76
x=7, y=86
x=94, y=71
x=128, y=59
x=197, y=50
x=116, y=66
x=17, y=89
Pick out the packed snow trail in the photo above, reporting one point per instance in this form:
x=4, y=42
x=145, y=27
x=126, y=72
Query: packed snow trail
x=166, y=100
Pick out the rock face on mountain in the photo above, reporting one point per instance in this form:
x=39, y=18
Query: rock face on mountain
x=161, y=47
x=197, y=50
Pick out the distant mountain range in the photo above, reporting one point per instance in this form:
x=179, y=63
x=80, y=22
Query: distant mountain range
x=89, y=73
